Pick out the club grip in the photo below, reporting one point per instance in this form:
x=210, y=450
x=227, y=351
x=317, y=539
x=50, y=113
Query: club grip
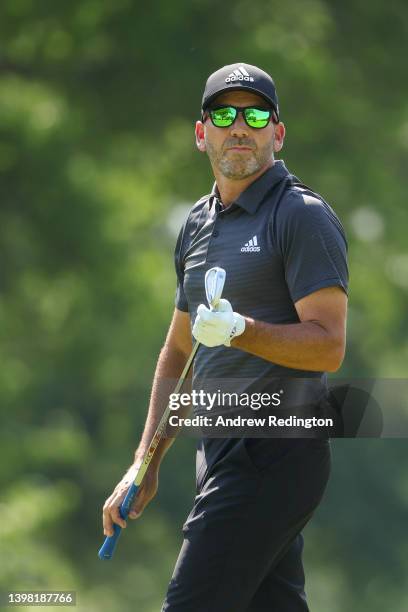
x=108, y=547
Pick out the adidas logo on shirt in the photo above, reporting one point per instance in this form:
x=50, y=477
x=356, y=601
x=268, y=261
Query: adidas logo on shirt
x=240, y=74
x=251, y=246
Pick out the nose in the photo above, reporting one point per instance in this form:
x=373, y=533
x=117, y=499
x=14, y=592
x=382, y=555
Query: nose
x=239, y=128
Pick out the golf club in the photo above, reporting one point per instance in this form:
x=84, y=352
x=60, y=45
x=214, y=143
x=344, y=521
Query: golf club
x=214, y=285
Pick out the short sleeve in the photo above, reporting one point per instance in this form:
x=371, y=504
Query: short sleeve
x=180, y=299
x=313, y=246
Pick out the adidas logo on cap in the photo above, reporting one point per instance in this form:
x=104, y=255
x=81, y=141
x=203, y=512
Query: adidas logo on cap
x=251, y=246
x=240, y=74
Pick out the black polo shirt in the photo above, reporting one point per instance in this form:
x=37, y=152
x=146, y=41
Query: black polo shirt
x=278, y=243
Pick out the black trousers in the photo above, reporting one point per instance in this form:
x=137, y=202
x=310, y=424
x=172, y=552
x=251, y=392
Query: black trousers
x=242, y=546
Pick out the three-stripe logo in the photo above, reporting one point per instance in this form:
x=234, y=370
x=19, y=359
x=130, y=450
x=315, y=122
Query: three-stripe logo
x=240, y=74
x=251, y=246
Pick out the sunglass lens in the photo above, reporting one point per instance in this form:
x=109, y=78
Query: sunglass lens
x=223, y=117
x=256, y=117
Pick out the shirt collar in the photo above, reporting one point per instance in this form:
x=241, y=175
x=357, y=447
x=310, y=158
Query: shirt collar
x=251, y=198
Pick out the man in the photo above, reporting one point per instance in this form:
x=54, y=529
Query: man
x=284, y=253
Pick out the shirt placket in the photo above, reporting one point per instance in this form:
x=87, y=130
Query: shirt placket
x=213, y=238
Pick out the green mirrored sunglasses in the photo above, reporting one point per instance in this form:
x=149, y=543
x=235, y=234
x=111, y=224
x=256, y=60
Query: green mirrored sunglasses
x=255, y=117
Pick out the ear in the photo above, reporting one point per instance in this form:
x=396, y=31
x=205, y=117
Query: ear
x=199, y=134
x=279, y=137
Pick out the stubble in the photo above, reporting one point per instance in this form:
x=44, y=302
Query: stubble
x=238, y=165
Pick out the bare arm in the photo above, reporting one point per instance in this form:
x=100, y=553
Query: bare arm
x=316, y=343
x=172, y=358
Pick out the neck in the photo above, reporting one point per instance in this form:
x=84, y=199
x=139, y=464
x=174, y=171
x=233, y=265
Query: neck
x=230, y=189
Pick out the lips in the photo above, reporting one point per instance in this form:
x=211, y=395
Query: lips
x=239, y=149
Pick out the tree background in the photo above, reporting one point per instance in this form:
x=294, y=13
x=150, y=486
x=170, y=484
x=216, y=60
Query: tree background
x=98, y=100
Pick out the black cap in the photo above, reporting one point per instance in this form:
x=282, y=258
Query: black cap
x=244, y=77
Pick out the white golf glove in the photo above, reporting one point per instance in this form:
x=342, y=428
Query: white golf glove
x=216, y=327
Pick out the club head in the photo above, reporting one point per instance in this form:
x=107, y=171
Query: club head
x=214, y=285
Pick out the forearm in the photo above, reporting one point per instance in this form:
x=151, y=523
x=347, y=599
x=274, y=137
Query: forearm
x=169, y=368
x=304, y=346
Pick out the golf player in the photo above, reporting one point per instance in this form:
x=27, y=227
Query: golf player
x=282, y=317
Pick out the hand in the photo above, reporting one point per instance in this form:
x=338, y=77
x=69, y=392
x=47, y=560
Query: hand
x=145, y=493
x=217, y=327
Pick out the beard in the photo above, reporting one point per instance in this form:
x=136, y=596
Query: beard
x=235, y=165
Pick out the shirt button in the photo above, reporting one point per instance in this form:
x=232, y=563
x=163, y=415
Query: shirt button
x=215, y=233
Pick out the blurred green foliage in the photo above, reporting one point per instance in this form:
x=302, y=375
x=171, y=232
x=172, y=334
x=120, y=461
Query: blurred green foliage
x=98, y=100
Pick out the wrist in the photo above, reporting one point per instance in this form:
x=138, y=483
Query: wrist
x=238, y=328
x=237, y=339
x=155, y=461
